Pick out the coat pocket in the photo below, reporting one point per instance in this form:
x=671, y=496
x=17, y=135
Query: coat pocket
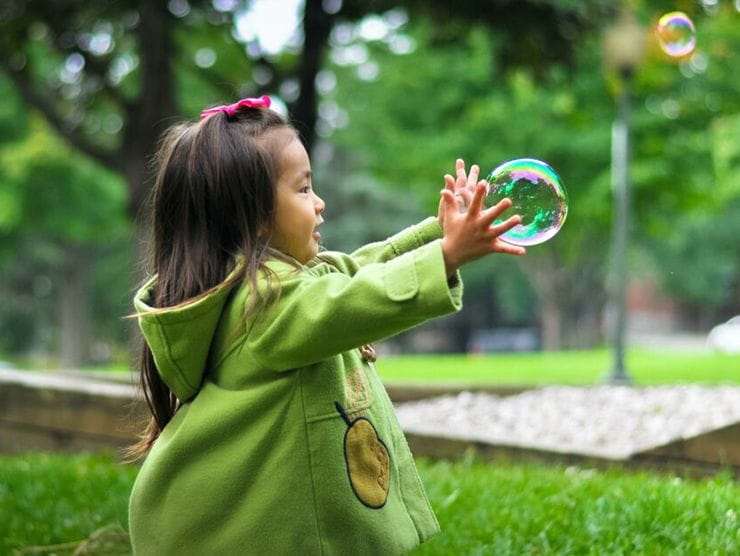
x=401, y=281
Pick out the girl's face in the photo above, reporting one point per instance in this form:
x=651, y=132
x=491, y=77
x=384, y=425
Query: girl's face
x=298, y=209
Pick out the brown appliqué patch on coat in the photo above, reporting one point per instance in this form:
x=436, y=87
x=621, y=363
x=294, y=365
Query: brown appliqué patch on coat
x=358, y=394
x=367, y=459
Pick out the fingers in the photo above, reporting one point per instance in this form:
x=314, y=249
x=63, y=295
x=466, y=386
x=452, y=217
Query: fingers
x=462, y=194
x=464, y=180
x=497, y=210
x=467, y=180
x=476, y=204
x=464, y=197
x=460, y=169
x=506, y=225
x=473, y=176
x=500, y=246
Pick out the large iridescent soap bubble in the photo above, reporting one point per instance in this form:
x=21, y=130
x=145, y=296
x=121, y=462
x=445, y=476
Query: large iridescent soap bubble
x=536, y=193
x=676, y=34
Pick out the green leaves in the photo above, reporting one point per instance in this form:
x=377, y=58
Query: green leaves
x=57, y=193
x=726, y=156
x=448, y=98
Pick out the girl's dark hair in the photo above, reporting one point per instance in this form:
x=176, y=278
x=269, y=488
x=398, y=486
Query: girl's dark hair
x=213, y=199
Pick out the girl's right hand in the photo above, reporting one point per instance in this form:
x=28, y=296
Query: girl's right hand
x=470, y=235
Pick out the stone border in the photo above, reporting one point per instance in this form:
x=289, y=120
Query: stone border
x=654, y=460
x=68, y=411
x=406, y=391
x=56, y=412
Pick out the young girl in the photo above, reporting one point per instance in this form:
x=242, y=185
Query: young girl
x=271, y=432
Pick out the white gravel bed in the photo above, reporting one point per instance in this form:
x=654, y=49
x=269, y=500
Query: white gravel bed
x=606, y=421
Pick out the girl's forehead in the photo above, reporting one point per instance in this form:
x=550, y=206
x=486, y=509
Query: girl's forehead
x=278, y=138
x=285, y=146
x=293, y=157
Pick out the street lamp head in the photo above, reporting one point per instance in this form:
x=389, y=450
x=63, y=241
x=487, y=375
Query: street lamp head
x=624, y=44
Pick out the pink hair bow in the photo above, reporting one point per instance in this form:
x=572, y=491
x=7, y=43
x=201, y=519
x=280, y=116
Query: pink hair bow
x=230, y=109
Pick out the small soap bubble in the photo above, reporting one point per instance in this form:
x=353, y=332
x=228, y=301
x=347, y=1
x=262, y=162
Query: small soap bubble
x=676, y=34
x=537, y=195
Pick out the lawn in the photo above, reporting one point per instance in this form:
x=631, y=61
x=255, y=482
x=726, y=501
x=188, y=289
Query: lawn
x=562, y=367
x=502, y=508
x=551, y=367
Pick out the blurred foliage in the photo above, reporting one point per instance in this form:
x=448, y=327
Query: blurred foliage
x=409, y=116
x=432, y=105
x=56, y=193
x=687, y=163
x=398, y=102
x=53, y=198
x=13, y=117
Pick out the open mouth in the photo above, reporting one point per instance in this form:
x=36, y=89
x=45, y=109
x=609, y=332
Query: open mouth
x=316, y=234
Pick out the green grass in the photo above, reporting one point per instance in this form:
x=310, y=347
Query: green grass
x=48, y=499
x=562, y=367
x=532, y=509
x=555, y=367
x=500, y=509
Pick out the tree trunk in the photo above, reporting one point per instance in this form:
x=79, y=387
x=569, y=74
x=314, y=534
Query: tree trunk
x=551, y=319
x=572, y=301
x=74, y=308
x=147, y=118
x=585, y=303
x=317, y=24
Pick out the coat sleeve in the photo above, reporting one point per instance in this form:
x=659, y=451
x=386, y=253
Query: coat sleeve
x=315, y=316
x=404, y=241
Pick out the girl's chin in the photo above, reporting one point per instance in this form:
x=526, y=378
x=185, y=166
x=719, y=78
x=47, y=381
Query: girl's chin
x=310, y=253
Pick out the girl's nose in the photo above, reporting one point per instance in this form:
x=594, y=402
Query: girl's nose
x=320, y=205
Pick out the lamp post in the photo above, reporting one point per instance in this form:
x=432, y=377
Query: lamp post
x=623, y=51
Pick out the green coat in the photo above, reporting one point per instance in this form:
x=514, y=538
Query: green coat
x=288, y=442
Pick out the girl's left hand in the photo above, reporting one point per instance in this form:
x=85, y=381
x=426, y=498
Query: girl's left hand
x=462, y=188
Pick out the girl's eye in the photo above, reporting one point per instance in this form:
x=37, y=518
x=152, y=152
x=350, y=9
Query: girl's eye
x=305, y=189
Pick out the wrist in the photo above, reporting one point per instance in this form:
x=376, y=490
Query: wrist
x=451, y=264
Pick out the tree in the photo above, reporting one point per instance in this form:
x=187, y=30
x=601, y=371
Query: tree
x=437, y=103
x=108, y=76
x=127, y=61
x=123, y=65
x=64, y=210
x=441, y=100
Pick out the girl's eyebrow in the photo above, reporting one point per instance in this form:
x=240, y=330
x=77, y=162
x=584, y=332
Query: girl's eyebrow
x=305, y=175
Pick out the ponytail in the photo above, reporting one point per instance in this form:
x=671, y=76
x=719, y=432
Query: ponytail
x=212, y=201
x=159, y=398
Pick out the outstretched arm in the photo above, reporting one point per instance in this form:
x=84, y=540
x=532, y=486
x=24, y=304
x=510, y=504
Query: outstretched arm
x=318, y=313
x=412, y=237
x=404, y=241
